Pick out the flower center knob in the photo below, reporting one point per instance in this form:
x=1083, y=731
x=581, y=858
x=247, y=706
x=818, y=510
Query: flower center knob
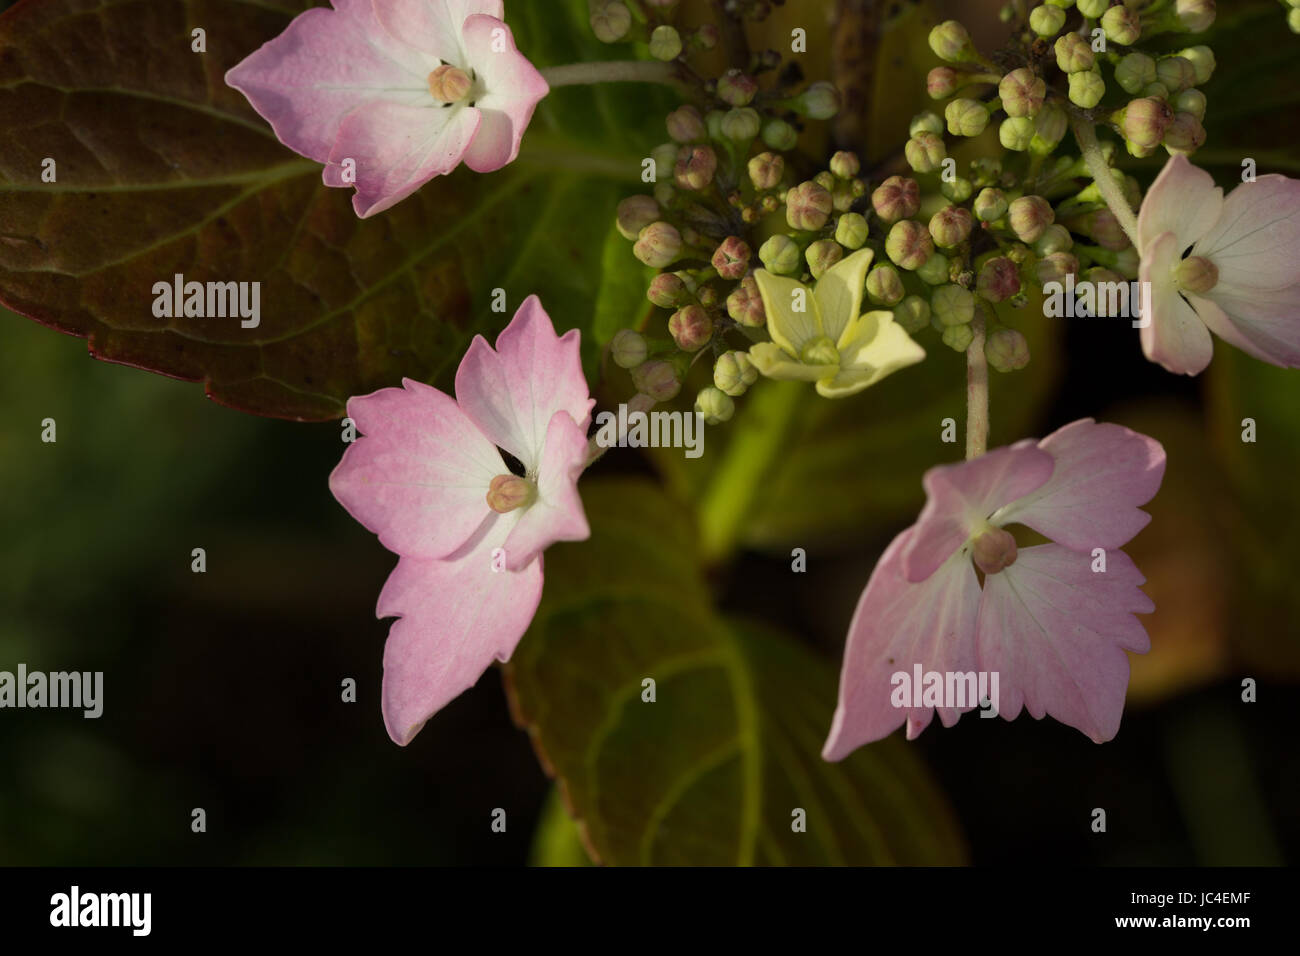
x=449, y=84
x=1196, y=274
x=508, y=492
x=995, y=550
x=820, y=351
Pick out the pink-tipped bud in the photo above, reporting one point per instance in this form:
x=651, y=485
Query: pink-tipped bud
x=731, y=259
x=508, y=492
x=994, y=551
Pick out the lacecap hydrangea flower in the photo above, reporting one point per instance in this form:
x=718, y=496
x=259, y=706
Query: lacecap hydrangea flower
x=428, y=478
x=1052, y=620
x=389, y=94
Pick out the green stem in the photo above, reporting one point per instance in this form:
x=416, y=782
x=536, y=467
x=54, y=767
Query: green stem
x=612, y=71
x=1086, y=135
x=977, y=393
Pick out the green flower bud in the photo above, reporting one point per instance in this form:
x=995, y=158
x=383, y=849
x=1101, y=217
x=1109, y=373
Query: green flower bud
x=958, y=337
x=957, y=191
x=851, y=231
x=1196, y=16
x=999, y=279
x=741, y=125
x=658, y=245
x=780, y=254
x=734, y=373
x=736, y=89
x=1073, y=54
x=927, y=122
x=765, y=170
x=634, y=214
x=1191, y=101
x=1197, y=275
x=1175, y=73
x=820, y=101
x=897, y=198
x=1055, y=238
x=1122, y=26
x=1022, y=92
x=885, y=285
x=695, y=167
x=991, y=205
x=611, y=21
x=665, y=158
x=691, y=328
x=1046, y=21
x=780, y=135
x=1055, y=267
x=826, y=180
x=686, y=125
x=665, y=43
x=952, y=305
x=1092, y=9
x=1087, y=89
x=668, y=291
x=745, y=304
x=1185, y=134
x=715, y=405
x=808, y=207
x=925, y=152
x=665, y=194
x=628, y=348
x=1203, y=62
x=1007, y=350
x=713, y=123
x=942, y=82
x=966, y=117
x=951, y=226
x=823, y=254
x=908, y=244
x=1016, y=133
x=1145, y=122
x=913, y=314
x=1049, y=129
x=1135, y=72
x=986, y=170
x=845, y=165
x=1029, y=217
x=657, y=379
x=936, y=270
x=951, y=43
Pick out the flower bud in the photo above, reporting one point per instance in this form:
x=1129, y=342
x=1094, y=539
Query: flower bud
x=696, y=166
x=845, y=165
x=780, y=254
x=1073, y=54
x=508, y=492
x=821, y=255
x=896, y=198
x=958, y=337
x=734, y=373
x=745, y=303
x=1007, y=350
x=1145, y=122
x=935, y=271
x=807, y=207
x=1092, y=9
x=820, y=101
x=913, y=314
x=1047, y=20
x=908, y=244
x=736, y=89
x=628, y=348
x=966, y=117
x=765, y=170
x=851, y=231
x=1203, y=62
x=780, y=135
x=665, y=194
x=731, y=258
x=885, y=285
x=1197, y=275
x=658, y=245
x=1016, y=133
x=952, y=305
x=686, y=125
x=1122, y=26
x=1022, y=92
x=665, y=158
x=1049, y=129
x=999, y=279
x=1195, y=16
x=1086, y=89
x=926, y=122
x=611, y=21
x=1191, y=101
x=826, y=180
x=951, y=43
x=925, y=152
x=951, y=226
x=942, y=82
x=715, y=405
x=657, y=379
x=1055, y=266
x=1175, y=73
x=956, y=191
x=665, y=43
x=691, y=328
x=1135, y=72
x=668, y=291
x=1185, y=134
x=707, y=36
x=991, y=204
x=995, y=549
x=741, y=125
x=1055, y=238
x=1029, y=217
x=634, y=214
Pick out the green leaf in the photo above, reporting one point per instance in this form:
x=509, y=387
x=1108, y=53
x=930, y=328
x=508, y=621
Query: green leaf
x=162, y=169
x=620, y=301
x=711, y=771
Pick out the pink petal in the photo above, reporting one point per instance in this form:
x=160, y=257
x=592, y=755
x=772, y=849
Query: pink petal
x=1182, y=200
x=898, y=625
x=514, y=88
x=434, y=26
x=1261, y=323
x=512, y=393
x=419, y=476
x=398, y=148
x=1056, y=633
x=456, y=617
x=325, y=65
x=961, y=497
x=1256, y=241
x=557, y=513
x=1174, y=337
x=1103, y=474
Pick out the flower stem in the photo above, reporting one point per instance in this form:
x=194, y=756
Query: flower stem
x=1086, y=135
x=612, y=71
x=977, y=393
